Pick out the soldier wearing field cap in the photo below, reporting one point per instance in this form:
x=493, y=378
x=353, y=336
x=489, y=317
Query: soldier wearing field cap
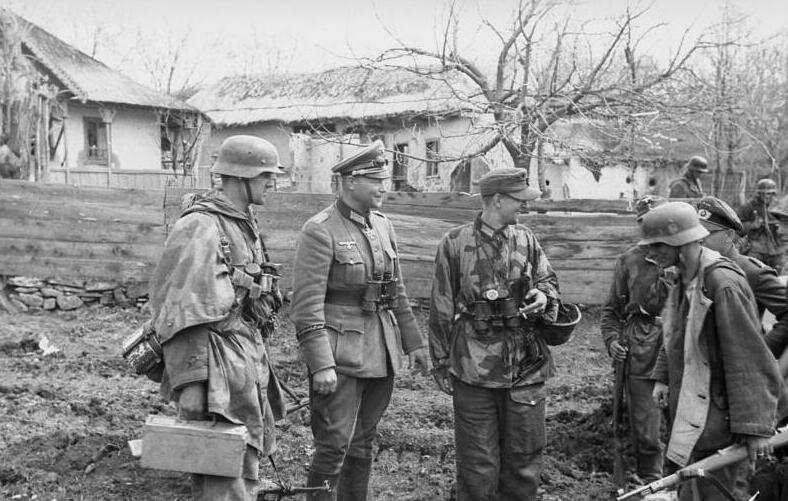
x=761, y=228
x=494, y=299
x=353, y=319
x=724, y=225
x=688, y=186
x=632, y=332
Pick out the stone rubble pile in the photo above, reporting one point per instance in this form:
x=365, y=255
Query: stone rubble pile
x=28, y=294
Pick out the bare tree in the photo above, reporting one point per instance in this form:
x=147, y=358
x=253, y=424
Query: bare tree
x=548, y=69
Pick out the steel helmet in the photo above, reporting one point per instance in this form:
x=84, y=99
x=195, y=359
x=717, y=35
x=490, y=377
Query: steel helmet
x=765, y=186
x=645, y=204
x=698, y=164
x=246, y=157
x=673, y=223
x=560, y=331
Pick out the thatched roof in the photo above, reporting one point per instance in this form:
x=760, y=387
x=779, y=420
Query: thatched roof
x=347, y=92
x=86, y=78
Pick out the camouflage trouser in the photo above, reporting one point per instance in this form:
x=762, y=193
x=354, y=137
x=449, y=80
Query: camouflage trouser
x=644, y=419
x=213, y=488
x=499, y=436
x=345, y=422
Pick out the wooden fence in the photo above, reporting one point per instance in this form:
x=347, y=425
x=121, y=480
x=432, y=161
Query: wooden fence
x=142, y=179
x=51, y=230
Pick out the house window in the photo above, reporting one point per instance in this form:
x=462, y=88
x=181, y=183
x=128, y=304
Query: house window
x=399, y=171
x=432, y=158
x=95, y=141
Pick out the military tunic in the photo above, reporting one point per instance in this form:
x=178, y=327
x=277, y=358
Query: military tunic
x=339, y=252
x=630, y=315
x=685, y=187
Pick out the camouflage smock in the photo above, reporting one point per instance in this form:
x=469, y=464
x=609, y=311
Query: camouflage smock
x=636, y=298
x=192, y=287
x=471, y=259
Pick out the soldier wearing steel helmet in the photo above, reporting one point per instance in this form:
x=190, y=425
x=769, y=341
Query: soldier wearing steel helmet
x=761, y=228
x=213, y=298
x=632, y=331
x=353, y=319
x=714, y=370
x=688, y=185
x=494, y=308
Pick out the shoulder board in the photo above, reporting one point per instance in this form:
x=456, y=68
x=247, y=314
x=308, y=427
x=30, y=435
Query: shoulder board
x=320, y=217
x=757, y=262
x=378, y=213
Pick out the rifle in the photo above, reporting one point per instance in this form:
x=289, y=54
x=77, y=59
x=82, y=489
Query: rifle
x=277, y=491
x=619, y=468
x=720, y=459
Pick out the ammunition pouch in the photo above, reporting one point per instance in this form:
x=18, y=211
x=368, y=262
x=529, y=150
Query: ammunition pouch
x=496, y=314
x=143, y=352
x=261, y=299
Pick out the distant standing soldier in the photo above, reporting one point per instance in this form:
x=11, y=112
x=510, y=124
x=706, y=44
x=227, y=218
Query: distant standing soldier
x=494, y=296
x=761, y=228
x=632, y=331
x=213, y=308
x=688, y=186
x=352, y=320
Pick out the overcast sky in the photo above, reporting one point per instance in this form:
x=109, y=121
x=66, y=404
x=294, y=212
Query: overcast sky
x=227, y=36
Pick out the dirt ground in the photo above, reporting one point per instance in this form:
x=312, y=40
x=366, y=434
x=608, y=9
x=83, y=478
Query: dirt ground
x=66, y=417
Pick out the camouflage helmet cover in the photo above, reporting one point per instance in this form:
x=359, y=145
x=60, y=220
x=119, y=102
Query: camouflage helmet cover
x=247, y=157
x=673, y=223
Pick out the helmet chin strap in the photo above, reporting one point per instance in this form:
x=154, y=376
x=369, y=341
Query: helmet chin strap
x=248, y=191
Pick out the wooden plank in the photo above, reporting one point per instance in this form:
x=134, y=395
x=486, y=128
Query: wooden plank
x=87, y=250
x=82, y=231
x=12, y=189
x=56, y=267
x=56, y=209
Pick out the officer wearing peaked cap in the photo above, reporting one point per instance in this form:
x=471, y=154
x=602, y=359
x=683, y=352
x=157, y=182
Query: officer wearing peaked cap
x=352, y=319
x=688, y=186
x=770, y=292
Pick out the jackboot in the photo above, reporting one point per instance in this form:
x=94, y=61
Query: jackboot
x=316, y=479
x=354, y=479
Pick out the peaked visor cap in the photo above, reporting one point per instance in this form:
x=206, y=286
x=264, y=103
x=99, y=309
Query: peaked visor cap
x=715, y=214
x=369, y=161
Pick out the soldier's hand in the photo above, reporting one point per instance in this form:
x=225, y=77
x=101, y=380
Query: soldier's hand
x=618, y=351
x=192, y=401
x=419, y=361
x=535, y=302
x=660, y=394
x=443, y=379
x=324, y=382
x=757, y=448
